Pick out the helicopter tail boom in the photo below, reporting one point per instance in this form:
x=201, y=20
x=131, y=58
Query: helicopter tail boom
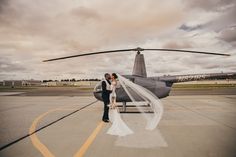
x=195, y=77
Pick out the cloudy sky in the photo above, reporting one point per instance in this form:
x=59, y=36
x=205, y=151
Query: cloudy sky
x=31, y=31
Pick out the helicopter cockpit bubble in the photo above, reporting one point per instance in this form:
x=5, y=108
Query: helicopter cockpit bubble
x=97, y=92
x=98, y=87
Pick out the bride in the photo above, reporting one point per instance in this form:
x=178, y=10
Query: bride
x=118, y=126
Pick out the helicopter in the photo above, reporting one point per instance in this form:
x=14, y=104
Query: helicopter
x=159, y=85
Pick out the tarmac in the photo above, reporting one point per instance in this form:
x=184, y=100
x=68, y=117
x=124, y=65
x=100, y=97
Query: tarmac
x=64, y=126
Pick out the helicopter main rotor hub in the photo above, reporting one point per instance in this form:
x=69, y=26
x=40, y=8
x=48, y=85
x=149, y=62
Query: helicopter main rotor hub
x=138, y=49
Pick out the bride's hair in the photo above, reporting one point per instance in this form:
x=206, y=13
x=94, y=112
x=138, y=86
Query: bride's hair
x=115, y=76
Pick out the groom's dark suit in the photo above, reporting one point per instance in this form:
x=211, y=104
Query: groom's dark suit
x=106, y=99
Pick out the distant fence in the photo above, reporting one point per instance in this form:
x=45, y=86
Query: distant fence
x=19, y=83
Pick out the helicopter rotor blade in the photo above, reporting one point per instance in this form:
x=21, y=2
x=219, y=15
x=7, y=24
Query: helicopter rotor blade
x=138, y=49
x=88, y=54
x=188, y=51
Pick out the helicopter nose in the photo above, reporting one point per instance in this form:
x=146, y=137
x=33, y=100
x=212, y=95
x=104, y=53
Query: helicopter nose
x=98, y=91
x=98, y=95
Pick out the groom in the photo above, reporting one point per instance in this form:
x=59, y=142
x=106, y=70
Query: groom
x=106, y=96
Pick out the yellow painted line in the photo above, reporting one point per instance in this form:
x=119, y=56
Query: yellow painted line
x=34, y=139
x=45, y=151
x=89, y=141
x=64, y=109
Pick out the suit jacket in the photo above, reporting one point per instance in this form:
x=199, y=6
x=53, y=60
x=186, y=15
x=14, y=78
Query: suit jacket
x=105, y=92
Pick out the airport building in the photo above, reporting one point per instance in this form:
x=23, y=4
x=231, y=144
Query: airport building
x=21, y=83
x=70, y=83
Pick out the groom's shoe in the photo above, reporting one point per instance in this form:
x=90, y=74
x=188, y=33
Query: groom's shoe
x=106, y=120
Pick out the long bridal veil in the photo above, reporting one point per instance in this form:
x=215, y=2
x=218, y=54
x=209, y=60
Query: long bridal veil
x=140, y=96
x=143, y=125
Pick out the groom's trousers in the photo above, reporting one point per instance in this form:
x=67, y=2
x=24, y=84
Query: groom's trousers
x=106, y=101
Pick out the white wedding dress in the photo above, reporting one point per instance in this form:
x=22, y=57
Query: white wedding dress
x=118, y=127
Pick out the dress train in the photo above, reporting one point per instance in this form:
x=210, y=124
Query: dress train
x=118, y=127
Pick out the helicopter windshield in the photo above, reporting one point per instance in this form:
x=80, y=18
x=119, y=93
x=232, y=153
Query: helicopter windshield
x=98, y=87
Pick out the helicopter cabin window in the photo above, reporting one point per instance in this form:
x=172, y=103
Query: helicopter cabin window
x=169, y=84
x=131, y=79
